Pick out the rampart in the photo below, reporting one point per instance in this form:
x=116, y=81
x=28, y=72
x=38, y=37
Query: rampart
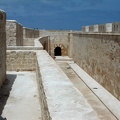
x=45, y=41
x=14, y=33
x=99, y=56
x=102, y=28
x=50, y=80
x=21, y=60
x=29, y=35
x=2, y=47
x=58, y=38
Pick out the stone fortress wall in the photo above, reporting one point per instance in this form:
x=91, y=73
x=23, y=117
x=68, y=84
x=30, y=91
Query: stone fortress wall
x=14, y=33
x=58, y=38
x=17, y=35
x=2, y=47
x=102, y=28
x=97, y=51
x=99, y=56
x=29, y=35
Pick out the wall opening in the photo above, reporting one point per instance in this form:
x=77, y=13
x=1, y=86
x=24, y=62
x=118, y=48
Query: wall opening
x=57, y=51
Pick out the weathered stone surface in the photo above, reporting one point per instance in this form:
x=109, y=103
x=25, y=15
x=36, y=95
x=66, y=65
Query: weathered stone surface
x=21, y=60
x=99, y=56
x=103, y=28
x=23, y=102
x=2, y=47
x=58, y=38
x=14, y=33
x=29, y=35
x=37, y=46
x=60, y=100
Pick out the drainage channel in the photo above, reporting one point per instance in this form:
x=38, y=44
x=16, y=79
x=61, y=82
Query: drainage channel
x=98, y=106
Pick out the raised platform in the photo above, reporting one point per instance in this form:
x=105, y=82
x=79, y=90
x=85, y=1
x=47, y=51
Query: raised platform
x=63, y=100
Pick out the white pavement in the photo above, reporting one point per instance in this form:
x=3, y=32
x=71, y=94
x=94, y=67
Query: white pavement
x=23, y=102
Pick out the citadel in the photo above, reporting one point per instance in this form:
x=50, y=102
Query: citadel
x=76, y=73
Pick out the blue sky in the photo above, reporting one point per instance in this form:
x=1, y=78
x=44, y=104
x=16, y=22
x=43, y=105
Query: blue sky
x=61, y=14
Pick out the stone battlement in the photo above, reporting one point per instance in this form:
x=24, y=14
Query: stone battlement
x=102, y=28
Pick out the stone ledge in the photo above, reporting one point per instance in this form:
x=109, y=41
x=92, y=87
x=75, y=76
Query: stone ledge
x=108, y=99
x=64, y=101
x=24, y=48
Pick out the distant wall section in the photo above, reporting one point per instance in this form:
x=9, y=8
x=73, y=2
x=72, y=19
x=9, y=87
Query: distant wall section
x=21, y=60
x=45, y=41
x=102, y=28
x=58, y=38
x=14, y=33
x=29, y=35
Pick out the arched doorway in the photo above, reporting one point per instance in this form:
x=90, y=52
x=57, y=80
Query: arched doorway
x=57, y=51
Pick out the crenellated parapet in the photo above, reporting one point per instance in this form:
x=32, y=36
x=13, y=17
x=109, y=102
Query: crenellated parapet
x=102, y=28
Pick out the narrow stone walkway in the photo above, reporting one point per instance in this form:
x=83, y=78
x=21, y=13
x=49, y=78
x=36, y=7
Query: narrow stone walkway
x=98, y=106
x=23, y=102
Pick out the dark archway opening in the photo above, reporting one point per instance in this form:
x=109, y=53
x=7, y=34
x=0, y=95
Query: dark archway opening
x=57, y=51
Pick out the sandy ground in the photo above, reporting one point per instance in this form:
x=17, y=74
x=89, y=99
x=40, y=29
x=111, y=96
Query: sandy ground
x=23, y=102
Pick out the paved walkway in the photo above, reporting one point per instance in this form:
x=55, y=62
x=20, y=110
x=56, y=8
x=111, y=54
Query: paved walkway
x=98, y=106
x=23, y=102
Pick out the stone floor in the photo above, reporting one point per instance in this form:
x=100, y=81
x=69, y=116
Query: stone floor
x=98, y=106
x=23, y=102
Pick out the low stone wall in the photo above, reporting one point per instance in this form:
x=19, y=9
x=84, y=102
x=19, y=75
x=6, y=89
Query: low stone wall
x=42, y=97
x=45, y=41
x=30, y=33
x=2, y=47
x=24, y=48
x=21, y=60
x=60, y=100
x=28, y=41
x=29, y=36
x=14, y=33
x=37, y=46
x=99, y=56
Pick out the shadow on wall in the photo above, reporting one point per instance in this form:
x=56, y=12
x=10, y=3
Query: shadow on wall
x=5, y=90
